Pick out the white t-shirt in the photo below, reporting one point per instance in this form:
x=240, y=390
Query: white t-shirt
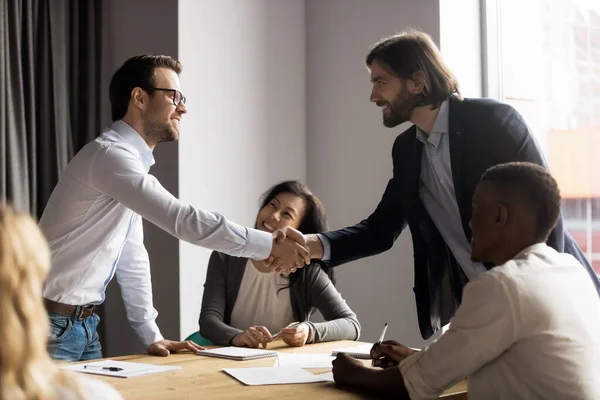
x=93, y=389
x=528, y=329
x=261, y=302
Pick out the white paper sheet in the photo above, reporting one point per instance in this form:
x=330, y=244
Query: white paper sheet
x=327, y=377
x=276, y=376
x=129, y=369
x=304, y=360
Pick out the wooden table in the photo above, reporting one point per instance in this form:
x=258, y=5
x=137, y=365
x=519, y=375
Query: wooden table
x=202, y=378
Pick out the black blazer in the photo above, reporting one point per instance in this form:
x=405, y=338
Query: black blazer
x=483, y=133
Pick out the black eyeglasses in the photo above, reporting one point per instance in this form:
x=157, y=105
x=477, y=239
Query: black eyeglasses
x=178, y=97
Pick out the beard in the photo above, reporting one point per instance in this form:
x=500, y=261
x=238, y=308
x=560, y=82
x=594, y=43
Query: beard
x=401, y=109
x=160, y=131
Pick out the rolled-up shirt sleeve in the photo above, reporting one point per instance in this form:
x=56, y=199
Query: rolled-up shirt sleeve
x=482, y=329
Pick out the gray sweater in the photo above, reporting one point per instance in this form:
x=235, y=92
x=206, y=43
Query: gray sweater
x=313, y=290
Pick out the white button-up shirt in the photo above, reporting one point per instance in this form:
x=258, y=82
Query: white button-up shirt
x=527, y=329
x=93, y=223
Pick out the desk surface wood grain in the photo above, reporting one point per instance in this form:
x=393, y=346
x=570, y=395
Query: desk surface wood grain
x=202, y=378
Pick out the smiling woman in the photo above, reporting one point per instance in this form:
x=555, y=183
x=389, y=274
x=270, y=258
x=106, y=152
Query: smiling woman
x=246, y=304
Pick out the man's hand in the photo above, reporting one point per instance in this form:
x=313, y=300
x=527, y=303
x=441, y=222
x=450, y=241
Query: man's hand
x=289, y=250
x=295, y=336
x=253, y=337
x=165, y=347
x=352, y=373
x=389, y=353
x=348, y=371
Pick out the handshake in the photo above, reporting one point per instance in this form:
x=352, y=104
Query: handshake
x=292, y=250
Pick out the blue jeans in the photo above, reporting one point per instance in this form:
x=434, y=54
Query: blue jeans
x=72, y=339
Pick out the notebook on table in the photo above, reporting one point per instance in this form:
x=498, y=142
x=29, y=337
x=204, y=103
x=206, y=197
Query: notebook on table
x=362, y=351
x=237, y=353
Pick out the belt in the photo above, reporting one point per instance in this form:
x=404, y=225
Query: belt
x=81, y=312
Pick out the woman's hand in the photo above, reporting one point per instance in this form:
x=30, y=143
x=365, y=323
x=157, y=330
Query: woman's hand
x=295, y=336
x=253, y=337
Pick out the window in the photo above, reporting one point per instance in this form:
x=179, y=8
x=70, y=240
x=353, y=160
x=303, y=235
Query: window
x=543, y=58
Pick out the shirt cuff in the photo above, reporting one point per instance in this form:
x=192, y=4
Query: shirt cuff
x=326, y=247
x=149, y=333
x=258, y=244
x=414, y=381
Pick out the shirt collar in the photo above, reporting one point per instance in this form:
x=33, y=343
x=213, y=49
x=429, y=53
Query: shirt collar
x=440, y=127
x=536, y=248
x=132, y=137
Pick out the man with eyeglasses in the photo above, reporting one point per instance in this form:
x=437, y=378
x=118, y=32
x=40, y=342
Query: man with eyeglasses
x=93, y=219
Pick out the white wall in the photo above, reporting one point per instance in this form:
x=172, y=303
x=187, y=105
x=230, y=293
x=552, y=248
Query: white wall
x=349, y=149
x=244, y=77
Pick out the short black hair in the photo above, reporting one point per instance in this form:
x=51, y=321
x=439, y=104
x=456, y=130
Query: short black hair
x=533, y=184
x=138, y=71
x=405, y=53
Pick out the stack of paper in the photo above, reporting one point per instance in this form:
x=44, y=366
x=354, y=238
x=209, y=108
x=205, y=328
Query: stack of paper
x=127, y=369
x=276, y=376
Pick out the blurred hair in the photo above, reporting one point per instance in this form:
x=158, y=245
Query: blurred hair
x=26, y=370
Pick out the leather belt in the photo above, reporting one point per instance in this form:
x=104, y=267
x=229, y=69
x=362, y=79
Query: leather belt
x=81, y=312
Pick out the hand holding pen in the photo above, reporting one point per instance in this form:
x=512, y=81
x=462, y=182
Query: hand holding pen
x=376, y=345
x=389, y=353
x=295, y=334
x=256, y=336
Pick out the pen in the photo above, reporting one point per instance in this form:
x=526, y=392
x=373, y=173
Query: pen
x=292, y=325
x=381, y=339
x=383, y=333
x=114, y=369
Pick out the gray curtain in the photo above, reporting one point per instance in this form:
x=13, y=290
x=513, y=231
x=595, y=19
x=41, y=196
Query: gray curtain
x=49, y=93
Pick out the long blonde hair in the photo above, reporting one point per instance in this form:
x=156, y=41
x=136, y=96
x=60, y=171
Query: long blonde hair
x=26, y=370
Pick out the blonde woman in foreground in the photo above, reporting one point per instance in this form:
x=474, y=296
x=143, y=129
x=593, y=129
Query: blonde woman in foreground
x=26, y=370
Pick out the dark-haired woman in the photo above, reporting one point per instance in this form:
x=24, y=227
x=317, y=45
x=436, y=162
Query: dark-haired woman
x=246, y=305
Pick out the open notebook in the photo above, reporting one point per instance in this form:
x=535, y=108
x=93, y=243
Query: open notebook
x=237, y=353
x=362, y=351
